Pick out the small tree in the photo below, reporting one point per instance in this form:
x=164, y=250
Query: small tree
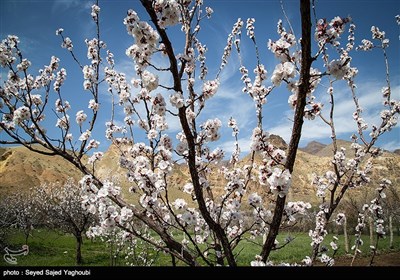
x=7, y=221
x=62, y=210
x=27, y=216
x=126, y=248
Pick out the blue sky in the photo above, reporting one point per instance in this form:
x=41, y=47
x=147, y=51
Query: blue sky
x=36, y=21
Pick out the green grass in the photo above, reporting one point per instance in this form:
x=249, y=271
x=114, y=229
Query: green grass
x=48, y=248
x=300, y=247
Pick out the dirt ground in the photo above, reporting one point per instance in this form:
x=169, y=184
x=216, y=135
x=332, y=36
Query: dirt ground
x=386, y=259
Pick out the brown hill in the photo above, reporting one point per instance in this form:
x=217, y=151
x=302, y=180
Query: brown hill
x=313, y=147
x=21, y=169
x=327, y=151
x=277, y=141
x=108, y=166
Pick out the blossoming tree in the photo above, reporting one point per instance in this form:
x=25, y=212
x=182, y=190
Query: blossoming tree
x=22, y=209
x=7, y=221
x=60, y=207
x=206, y=228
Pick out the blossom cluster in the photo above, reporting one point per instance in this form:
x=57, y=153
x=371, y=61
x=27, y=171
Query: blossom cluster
x=318, y=234
x=168, y=12
x=376, y=208
x=7, y=49
x=210, y=88
x=146, y=40
x=95, y=12
x=95, y=201
x=296, y=209
x=21, y=114
x=328, y=33
x=201, y=50
x=233, y=38
x=279, y=180
x=235, y=131
x=210, y=130
x=67, y=44
x=117, y=81
x=95, y=157
x=32, y=92
x=359, y=228
x=281, y=47
x=80, y=117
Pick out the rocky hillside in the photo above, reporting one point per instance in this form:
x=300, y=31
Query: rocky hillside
x=21, y=169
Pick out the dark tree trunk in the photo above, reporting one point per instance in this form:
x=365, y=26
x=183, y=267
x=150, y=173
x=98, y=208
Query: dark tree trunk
x=173, y=260
x=79, y=242
x=194, y=173
x=304, y=87
x=26, y=237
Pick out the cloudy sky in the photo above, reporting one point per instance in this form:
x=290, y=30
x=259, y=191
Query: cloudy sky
x=36, y=21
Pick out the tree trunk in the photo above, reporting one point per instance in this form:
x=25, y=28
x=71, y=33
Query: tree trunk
x=304, y=87
x=111, y=253
x=26, y=237
x=346, y=238
x=194, y=173
x=79, y=242
x=173, y=260
x=391, y=231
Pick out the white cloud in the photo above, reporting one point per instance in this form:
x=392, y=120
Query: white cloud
x=79, y=11
x=174, y=124
x=392, y=145
x=63, y=5
x=229, y=146
x=240, y=108
x=370, y=99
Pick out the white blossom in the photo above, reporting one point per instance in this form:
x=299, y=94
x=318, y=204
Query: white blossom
x=21, y=114
x=258, y=261
x=85, y=135
x=179, y=203
x=255, y=200
x=176, y=100
x=80, y=117
x=280, y=181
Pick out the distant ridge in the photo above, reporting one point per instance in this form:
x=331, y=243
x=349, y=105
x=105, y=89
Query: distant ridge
x=21, y=169
x=313, y=147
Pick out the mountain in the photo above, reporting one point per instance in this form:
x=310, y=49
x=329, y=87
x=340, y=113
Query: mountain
x=108, y=166
x=327, y=151
x=277, y=141
x=21, y=169
x=313, y=147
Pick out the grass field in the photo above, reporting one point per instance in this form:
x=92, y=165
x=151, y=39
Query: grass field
x=48, y=248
